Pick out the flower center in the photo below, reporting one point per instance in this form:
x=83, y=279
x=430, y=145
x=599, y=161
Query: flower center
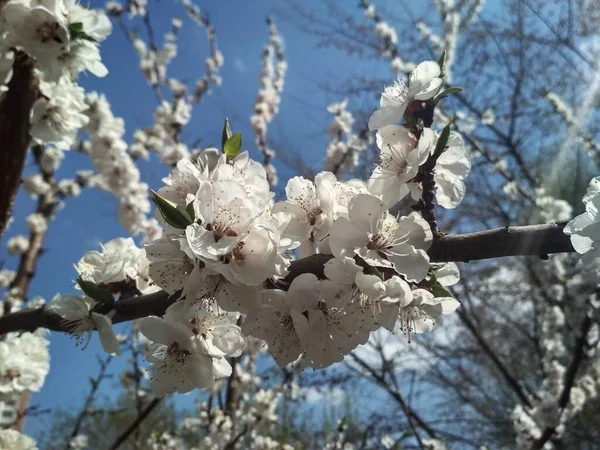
x=12, y=373
x=49, y=32
x=219, y=230
x=176, y=353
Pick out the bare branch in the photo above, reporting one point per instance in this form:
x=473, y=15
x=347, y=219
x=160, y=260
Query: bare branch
x=536, y=240
x=15, y=108
x=135, y=424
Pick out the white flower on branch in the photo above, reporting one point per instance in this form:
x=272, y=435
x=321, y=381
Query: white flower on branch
x=62, y=36
x=309, y=319
x=13, y=440
x=57, y=116
x=422, y=313
x=382, y=240
x=81, y=319
x=17, y=245
x=35, y=184
x=6, y=277
x=401, y=155
x=37, y=223
x=585, y=228
x=24, y=363
x=451, y=168
x=377, y=302
x=189, y=346
x=119, y=260
x=423, y=83
x=310, y=205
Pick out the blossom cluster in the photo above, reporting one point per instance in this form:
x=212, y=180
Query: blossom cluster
x=345, y=146
x=62, y=38
x=266, y=104
x=226, y=250
x=585, y=228
x=225, y=241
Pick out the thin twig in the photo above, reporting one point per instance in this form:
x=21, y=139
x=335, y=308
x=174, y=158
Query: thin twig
x=540, y=240
x=135, y=424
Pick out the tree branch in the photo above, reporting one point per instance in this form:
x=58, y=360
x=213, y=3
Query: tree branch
x=15, y=108
x=135, y=424
x=536, y=240
x=569, y=380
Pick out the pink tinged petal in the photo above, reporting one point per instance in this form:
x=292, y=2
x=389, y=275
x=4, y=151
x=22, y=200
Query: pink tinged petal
x=107, y=335
x=345, y=237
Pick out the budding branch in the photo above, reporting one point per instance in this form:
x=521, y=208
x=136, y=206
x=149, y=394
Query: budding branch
x=532, y=240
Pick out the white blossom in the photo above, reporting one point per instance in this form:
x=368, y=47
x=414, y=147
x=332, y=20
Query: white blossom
x=585, y=228
x=307, y=319
x=381, y=239
x=189, y=354
x=81, y=319
x=36, y=185
x=423, y=83
x=17, y=245
x=13, y=440
x=401, y=155
x=37, y=223
x=24, y=363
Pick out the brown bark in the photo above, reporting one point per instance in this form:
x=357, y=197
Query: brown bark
x=15, y=108
x=536, y=240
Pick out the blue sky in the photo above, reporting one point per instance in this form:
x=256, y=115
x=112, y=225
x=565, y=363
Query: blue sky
x=90, y=219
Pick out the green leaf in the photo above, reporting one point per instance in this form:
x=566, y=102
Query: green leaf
x=442, y=64
x=76, y=32
x=189, y=209
x=440, y=291
x=367, y=268
x=233, y=146
x=447, y=93
x=226, y=134
x=95, y=291
x=175, y=215
x=442, y=142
